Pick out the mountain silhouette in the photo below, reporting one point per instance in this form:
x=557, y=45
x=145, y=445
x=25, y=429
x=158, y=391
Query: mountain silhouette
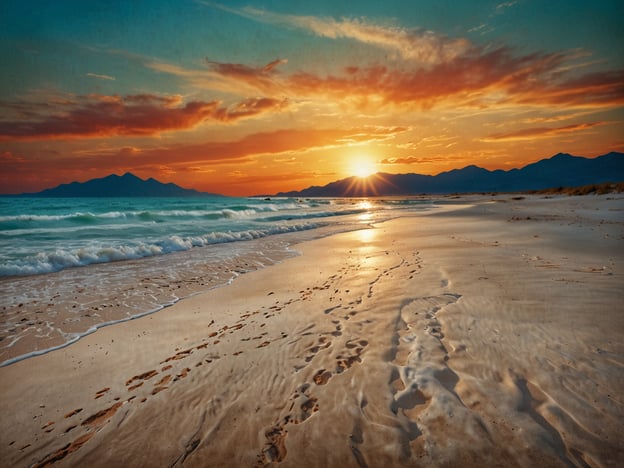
x=127, y=185
x=561, y=170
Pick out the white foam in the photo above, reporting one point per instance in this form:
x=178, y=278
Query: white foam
x=59, y=259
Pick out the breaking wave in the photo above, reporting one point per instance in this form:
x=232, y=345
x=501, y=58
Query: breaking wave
x=59, y=259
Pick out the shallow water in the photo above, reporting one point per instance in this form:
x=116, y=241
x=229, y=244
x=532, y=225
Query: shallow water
x=89, y=263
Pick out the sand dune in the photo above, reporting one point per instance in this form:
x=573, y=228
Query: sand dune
x=487, y=333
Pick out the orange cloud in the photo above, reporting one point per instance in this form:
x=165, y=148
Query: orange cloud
x=262, y=78
x=244, y=150
x=540, y=132
x=466, y=78
x=96, y=116
x=412, y=160
x=477, y=78
x=251, y=107
x=203, y=164
x=10, y=159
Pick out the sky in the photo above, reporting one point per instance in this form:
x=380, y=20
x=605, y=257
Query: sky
x=251, y=97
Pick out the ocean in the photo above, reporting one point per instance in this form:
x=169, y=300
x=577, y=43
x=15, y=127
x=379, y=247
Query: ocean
x=44, y=235
x=69, y=266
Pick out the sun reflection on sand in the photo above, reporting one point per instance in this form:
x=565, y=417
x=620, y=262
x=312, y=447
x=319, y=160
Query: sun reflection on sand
x=366, y=236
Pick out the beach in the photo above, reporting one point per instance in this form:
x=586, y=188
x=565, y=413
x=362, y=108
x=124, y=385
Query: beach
x=484, y=332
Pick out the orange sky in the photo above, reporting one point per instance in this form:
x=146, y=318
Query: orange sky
x=239, y=100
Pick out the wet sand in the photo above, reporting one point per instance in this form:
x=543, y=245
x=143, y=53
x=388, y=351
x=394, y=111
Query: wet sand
x=483, y=334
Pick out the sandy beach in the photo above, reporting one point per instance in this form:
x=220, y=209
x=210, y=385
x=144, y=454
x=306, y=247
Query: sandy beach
x=487, y=332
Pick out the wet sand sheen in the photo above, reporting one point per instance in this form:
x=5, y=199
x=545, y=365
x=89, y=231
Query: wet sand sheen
x=489, y=335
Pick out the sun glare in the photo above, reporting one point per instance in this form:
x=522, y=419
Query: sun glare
x=362, y=167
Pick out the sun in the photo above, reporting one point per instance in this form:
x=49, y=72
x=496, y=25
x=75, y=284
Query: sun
x=362, y=167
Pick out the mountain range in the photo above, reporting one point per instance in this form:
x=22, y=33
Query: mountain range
x=127, y=185
x=561, y=170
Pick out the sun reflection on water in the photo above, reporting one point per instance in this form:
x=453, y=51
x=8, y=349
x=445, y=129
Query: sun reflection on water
x=364, y=205
x=364, y=217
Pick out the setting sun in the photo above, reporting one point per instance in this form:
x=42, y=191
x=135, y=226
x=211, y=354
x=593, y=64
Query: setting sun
x=362, y=167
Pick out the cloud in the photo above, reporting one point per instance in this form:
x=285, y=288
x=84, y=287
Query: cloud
x=373, y=133
x=505, y=5
x=462, y=76
x=420, y=45
x=251, y=107
x=553, y=118
x=242, y=71
x=97, y=116
x=101, y=116
x=261, y=78
x=100, y=77
x=479, y=79
x=271, y=65
x=10, y=157
x=477, y=28
x=604, y=89
x=473, y=76
x=540, y=132
x=412, y=160
x=241, y=178
x=179, y=156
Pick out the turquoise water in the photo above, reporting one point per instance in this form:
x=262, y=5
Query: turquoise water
x=43, y=235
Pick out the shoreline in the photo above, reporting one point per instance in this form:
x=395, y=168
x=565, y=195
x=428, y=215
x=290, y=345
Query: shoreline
x=453, y=336
x=45, y=312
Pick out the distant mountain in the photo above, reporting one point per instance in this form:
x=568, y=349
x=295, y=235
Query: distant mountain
x=561, y=170
x=127, y=185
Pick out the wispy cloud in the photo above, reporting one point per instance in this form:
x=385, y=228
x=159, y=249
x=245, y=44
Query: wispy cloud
x=415, y=44
x=100, y=77
x=540, y=132
x=412, y=160
x=477, y=28
x=505, y=5
x=277, y=143
x=10, y=157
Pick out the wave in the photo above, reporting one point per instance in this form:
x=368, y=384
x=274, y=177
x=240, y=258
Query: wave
x=318, y=214
x=243, y=211
x=48, y=262
x=33, y=217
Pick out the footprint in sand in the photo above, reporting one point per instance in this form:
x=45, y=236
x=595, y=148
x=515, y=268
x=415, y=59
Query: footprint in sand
x=92, y=424
x=322, y=377
x=275, y=449
x=323, y=343
x=101, y=393
x=72, y=413
x=145, y=376
x=161, y=384
x=346, y=362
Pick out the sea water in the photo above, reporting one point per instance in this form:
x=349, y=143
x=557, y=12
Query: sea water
x=69, y=266
x=43, y=235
